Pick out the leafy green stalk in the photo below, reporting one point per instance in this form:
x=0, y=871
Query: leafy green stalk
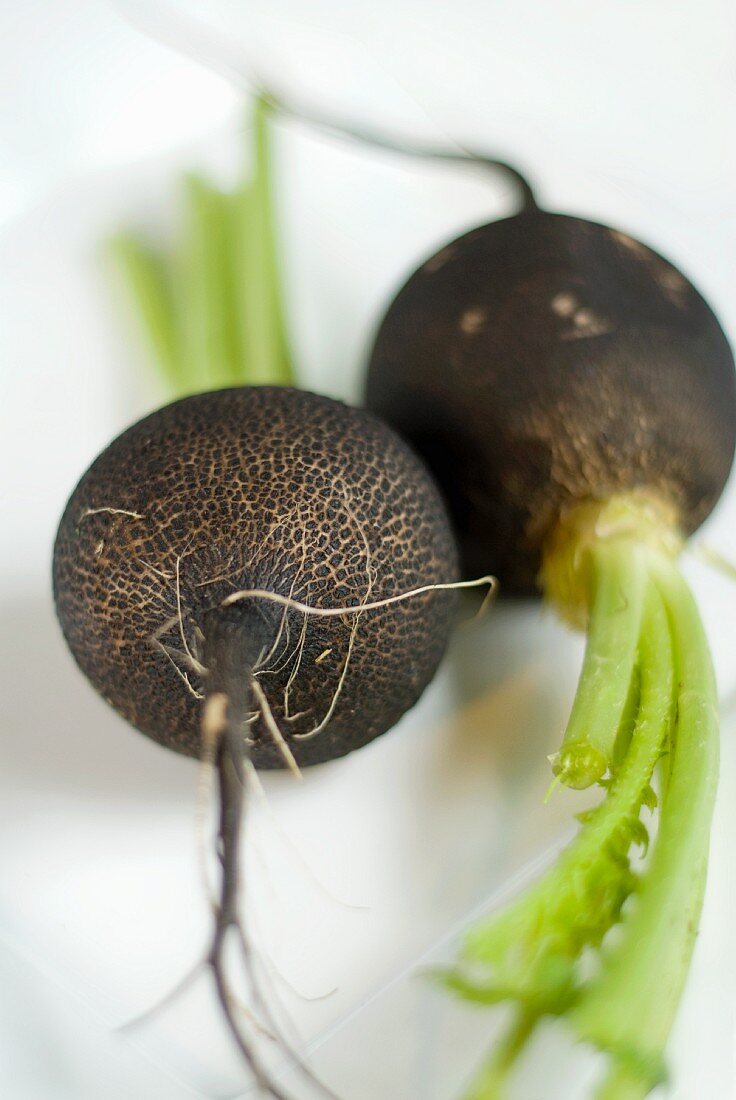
x=630, y=1007
x=531, y=952
x=489, y=1083
x=259, y=309
x=211, y=308
x=553, y=951
x=208, y=345
x=146, y=278
x=618, y=576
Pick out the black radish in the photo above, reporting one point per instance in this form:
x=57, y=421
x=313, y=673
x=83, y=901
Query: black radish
x=256, y=573
x=278, y=491
x=575, y=397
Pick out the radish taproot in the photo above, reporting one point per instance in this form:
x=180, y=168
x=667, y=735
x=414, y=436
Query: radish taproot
x=261, y=573
x=575, y=397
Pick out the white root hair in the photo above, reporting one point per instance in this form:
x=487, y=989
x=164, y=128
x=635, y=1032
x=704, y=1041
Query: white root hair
x=109, y=511
x=273, y=729
x=297, y=664
x=359, y=608
x=371, y=575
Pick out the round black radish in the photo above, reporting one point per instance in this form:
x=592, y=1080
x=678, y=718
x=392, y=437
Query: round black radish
x=544, y=360
x=275, y=490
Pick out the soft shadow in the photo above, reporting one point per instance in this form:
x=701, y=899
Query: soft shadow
x=481, y=810
x=513, y=674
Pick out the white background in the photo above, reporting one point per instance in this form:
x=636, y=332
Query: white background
x=621, y=111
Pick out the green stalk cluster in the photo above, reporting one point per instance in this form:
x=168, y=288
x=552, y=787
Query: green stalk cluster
x=210, y=308
x=645, y=707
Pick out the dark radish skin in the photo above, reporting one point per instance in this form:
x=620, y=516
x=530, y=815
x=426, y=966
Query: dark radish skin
x=575, y=397
x=236, y=574
x=256, y=488
x=543, y=360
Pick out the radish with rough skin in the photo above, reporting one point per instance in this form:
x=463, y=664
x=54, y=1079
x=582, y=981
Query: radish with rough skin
x=575, y=397
x=256, y=573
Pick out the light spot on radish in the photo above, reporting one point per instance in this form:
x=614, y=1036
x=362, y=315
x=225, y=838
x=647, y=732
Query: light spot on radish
x=627, y=242
x=586, y=323
x=564, y=304
x=472, y=321
x=671, y=282
x=584, y=318
x=440, y=259
x=673, y=285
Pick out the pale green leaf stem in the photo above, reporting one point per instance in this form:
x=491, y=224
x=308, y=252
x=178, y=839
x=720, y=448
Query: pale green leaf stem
x=629, y=1008
x=597, y=940
x=210, y=307
x=618, y=577
x=143, y=273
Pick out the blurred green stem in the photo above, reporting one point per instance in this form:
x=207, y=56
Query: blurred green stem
x=211, y=308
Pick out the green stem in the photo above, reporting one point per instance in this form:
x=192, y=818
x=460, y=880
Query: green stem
x=208, y=350
x=578, y=899
x=646, y=632
x=618, y=581
x=623, y=1083
x=630, y=1007
x=144, y=275
x=490, y=1081
x=223, y=325
x=259, y=310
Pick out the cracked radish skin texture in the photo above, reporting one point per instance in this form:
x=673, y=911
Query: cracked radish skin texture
x=262, y=488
